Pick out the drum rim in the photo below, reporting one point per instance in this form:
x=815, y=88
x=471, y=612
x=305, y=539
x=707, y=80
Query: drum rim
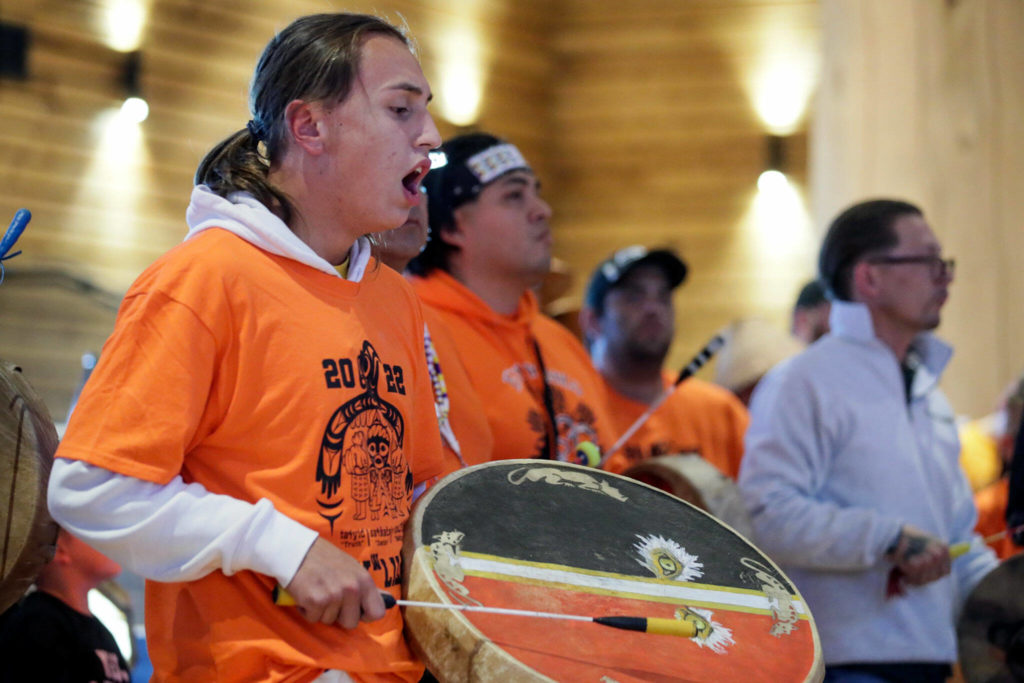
x=39, y=438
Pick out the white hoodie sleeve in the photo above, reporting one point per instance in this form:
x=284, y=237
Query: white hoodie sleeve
x=175, y=531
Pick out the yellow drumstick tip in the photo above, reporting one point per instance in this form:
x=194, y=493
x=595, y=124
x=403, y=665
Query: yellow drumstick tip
x=587, y=453
x=283, y=597
x=671, y=627
x=659, y=626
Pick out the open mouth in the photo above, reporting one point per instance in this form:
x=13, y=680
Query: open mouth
x=411, y=181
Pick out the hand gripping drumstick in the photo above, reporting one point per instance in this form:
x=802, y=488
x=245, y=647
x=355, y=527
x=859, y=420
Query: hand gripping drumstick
x=894, y=586
x=702, y=357
x=667, y=627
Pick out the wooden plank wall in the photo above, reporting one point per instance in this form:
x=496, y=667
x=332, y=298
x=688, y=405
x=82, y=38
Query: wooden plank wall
x=639, y=116
x=926, y=101
x=634, y=114
x=102, y=212
x=660, y=144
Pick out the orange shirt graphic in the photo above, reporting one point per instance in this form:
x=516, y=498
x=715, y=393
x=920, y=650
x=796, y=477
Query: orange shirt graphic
x=259, y=377
x=501, y=361
x=699, y=417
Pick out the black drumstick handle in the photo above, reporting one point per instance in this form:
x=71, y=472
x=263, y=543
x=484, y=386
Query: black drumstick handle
x=701, y=359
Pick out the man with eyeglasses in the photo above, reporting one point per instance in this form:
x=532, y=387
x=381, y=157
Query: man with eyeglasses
x=851, y=472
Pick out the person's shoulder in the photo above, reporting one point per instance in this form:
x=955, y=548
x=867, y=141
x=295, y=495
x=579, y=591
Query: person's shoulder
x=549, y=328
x=707, y=391
x=36, y=612
x=381, y=276
x=553, y=335
x=437, y=288
x=211, y=245
x=797, y=378
x=386, y=295
x=212, y=255
x=822, y=355
x=710, y=396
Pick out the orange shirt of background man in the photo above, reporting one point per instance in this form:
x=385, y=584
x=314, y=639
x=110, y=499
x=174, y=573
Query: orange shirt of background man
x=699, y=417
x=991, y=502
x=500, y=359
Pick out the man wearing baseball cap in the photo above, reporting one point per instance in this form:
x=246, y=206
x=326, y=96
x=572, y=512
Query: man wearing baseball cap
x=628, y=323
x=490, y=245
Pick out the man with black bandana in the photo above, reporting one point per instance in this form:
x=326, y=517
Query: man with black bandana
x=851, y=473
x=490, y=247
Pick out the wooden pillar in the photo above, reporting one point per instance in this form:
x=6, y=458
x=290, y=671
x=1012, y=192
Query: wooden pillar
x=924, y=100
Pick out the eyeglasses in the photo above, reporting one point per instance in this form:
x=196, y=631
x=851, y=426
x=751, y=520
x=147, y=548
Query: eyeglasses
x=938, y=267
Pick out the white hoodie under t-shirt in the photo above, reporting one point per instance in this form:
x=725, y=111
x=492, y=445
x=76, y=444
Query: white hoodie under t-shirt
x=129, y=518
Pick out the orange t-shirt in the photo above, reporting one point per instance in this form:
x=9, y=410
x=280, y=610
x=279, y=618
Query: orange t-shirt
x=465, y=411
x=699, y=417
x=260, y=377
x=991, y=502
x=501, y=360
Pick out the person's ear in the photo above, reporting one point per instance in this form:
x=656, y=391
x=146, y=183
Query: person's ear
x=590, y=323
x=61, y=553
x=456, y=233
x=305, y=124
x=864, y=281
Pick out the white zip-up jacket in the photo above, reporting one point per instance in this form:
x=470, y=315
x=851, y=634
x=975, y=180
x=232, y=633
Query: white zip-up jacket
x=836, y=461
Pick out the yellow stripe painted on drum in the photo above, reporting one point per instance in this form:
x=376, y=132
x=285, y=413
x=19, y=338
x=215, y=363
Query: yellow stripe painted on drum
x=612, y=575
x=710, y=602
x=671, y=627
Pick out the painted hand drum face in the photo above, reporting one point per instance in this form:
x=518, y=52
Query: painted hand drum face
x=555, y=537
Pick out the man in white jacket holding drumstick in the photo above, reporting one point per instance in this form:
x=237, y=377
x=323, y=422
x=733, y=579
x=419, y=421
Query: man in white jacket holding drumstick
x=851, y=472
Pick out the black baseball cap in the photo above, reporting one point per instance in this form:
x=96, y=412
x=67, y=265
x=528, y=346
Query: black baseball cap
x=622, y=262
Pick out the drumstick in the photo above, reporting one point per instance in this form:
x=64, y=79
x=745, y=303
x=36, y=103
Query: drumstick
x=661, y=626
x=958, y=549
x=895, y=583
x=702, y=357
